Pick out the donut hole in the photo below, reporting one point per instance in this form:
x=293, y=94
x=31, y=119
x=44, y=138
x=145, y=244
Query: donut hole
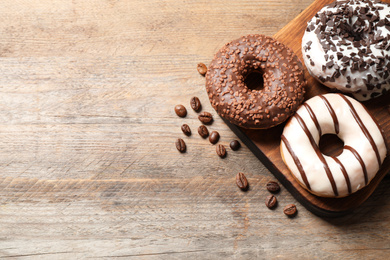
x=331, y=145
x=254, y=80
x=355, y=34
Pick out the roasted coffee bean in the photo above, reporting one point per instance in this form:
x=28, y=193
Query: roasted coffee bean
x=180, y=145
x=271, y=201
x=205, y=117
x=195, y=104
x=235, y=145
x=241, y=181
x=273, y=186
x=290, y=210
x=214, y=137
x=203, y=131
x=186, y=129
x=180, y=110
x=221, y=151
x=202, y=69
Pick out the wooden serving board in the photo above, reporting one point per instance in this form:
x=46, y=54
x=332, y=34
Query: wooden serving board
x=265, y=143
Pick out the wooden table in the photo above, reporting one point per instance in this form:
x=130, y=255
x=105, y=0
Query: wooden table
x=88, y=165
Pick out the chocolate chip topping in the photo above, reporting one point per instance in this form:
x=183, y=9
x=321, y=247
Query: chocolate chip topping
x=357, y=34
x=282, y=91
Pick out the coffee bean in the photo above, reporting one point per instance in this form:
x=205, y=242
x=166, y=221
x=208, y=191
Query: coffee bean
x=214, y=137
x=241, y=181
x=235, y=145
x=202, y=69
x=180, y=110
x=290, y=210
x=203, y=131
x=195, y=104
x=273, y=186
x=205, y=117
x=271, y=201
x=221, y=151
x=186, y=129
x=180, y=145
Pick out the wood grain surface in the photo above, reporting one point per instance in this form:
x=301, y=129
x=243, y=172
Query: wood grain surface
x=88, y=165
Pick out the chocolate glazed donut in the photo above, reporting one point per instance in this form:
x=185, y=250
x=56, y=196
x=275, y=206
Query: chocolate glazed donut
x=279, y=96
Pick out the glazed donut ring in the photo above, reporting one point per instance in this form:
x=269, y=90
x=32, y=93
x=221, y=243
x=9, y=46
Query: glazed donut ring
x=347, y=46
x=363, y=153
x=283, y=87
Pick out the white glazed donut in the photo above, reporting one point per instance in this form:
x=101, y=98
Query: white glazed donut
x=363, y=153
x=346, y=46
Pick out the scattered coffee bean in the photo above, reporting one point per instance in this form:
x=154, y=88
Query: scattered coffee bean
x=235, y=145
x=205, y=117
x=271, y=201
x=290, y=210
x=214, y=137
x=221, y=151
x=202, y=69
x=203, y=131
x=186, y=129
x=273, y=186
x=180, y=145
x=180, y=110
x=241, y=181
x=195, y=104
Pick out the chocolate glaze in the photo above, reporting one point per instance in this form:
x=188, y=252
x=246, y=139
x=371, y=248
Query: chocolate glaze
x=332, y=113
x=364, y=129
x=283, y=88
x=297, y=162
x=318, y=152
x=344, y=171
x=313, y=117
x=360, y=160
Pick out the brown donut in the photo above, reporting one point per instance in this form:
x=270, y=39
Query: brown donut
x=282, y=91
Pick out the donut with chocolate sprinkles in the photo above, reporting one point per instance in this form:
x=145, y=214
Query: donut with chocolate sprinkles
x=346, y=46
x=279, y=95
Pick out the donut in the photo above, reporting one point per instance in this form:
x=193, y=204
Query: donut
x=283, y=82
x=346, y=46
x=333, y=176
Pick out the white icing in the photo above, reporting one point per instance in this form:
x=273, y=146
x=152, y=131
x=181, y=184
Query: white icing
x=349, y=131
x=357, y=87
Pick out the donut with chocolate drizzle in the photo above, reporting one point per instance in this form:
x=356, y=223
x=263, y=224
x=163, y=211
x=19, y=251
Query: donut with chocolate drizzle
x=361, y=157
x=281, y=72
